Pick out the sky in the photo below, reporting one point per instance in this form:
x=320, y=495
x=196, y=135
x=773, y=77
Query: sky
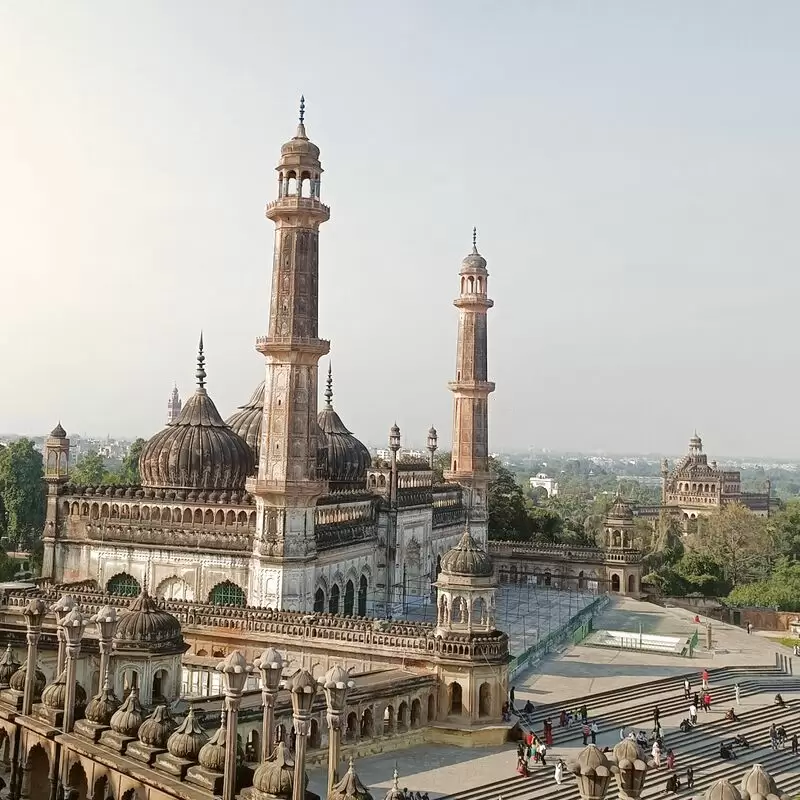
x=631, y=167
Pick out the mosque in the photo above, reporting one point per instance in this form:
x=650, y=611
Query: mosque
x=280, y=505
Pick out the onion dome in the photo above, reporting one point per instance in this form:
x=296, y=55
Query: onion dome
x=594, y=768
x=8, y=666
x=17, y=681
x=347, y=458
x=127, y=719
x=55, y=694
x=246, y=422
x=467, y=559
x=620, y=509
x=145, y=626
x=156, y=729
x=350, y=787
x=212, y=753
x=474, y=261
x=275, y=777
x=300, y=145
x=627, y=753
x=197, y=450
x=58, y=432
x=102, y=706
x=188, y=739
x=722, y=789
x=759, y=784
x=395, y=793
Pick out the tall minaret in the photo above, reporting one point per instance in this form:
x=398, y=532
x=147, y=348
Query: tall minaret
x=288, y=485
x=471, y=389
x=173, y=405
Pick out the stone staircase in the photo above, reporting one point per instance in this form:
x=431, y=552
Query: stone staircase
x=698, y=748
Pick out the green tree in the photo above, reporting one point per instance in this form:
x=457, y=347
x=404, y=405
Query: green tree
x=441, y=463
x=22, y=490
x=128, y=474
x=781, y=590
x=785, y=524
x=90, y=470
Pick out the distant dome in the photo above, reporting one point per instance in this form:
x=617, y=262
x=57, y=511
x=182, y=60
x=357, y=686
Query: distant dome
x=246, y=422
x=8, y=666
x=197, y=450
x=58, y=432
x=145, y=626
x=275, y=777
x=474, y=261
x=467, y=559
x=347, y=458
x=620, y=509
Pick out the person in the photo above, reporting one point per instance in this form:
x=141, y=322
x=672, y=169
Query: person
x=584, y=713
x=506, y=713
x=405, y=793
x=622, y=733
x=542, y=753
x=741, y=740
x=558, y=773
x=693, y=714
x=707, y=702
x=781, y=733
x=670, y=759
x=704, y=676
x=730, y=716
x=520, y=750
x=562, y=718
x=685, y=726
x=672, y=785
x=548, y=732
x=794, y=743
x=656, y=715
x=595, y=729
x=511, y=697
x=656, y=753
x=696, y=700
x=689, y=778
x=773, y=736
x=687, y=688
x=726, y=753
x=522, y=768
x=528, y=707
x=586, y=731
x=779, y=701
x=738, y=694
x=749, y=627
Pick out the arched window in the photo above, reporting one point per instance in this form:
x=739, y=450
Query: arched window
x=319, y=600
x=349, y=598
x=227, y=593
x=456, y=706
x=333, y=603
x=362, y=596
x=175, y=588
x=123, y=585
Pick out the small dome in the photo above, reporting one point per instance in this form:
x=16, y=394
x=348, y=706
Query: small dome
x=246, y=422
x=102, y=707
x=302, y=683
x=347, y=458
x=8, y=666
x=591, y=761
x=188, y=739
x=212, y=753
x=395, y=792
x=55, y=694
x=758, y=784
x=156, y=729
x=58, y=432
x=145, y=626
x=620, y=509
x=350, y=787
x=198, y=450
x=628, y=754
x=127, y=719
x=474, y=262
x=17, y=681
x=275, y=777
x=722, y=789
x=467, y=559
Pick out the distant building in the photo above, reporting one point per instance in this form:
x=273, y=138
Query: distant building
x=174, y=406
x=543, y=481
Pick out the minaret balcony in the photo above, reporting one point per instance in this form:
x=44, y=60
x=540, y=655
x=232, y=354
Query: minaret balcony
x=474, y=300
x=272, y=345
x=294, y=203
x=471, y=388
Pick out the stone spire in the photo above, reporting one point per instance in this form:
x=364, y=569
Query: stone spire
x=471, y=389
x=288, y=484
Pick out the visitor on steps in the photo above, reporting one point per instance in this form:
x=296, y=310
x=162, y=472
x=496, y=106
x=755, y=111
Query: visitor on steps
x=689, y=778
x=522, y=768
x=779, y=701
x=656, y=753
x=656, y=715
x=685, y=726
x=687, y=688
x=749, y=628
x=696, y=700
x=794, y=743
x=693, y=713
x=543, y=753
x=558, y=773
x=781, y=733
x=672, y=785
x=670, y=759
x=622, y=733
x=506, y=713
x=595, y=729
x=528, y=707
x=726, y=753
x=738, y=694
x=584, y=713
x=548, y=732
x=730, y=716
x=704, y=677
x=773, y=736
x=562, y=718
x=706, y=702
x=740, y=740
x=586, y=730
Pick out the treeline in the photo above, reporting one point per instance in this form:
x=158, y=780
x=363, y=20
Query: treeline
x=91, y=469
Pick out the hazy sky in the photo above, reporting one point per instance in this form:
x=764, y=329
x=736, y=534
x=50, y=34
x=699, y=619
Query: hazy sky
x=632, y=168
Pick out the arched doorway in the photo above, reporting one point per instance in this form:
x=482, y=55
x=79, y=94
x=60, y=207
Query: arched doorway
x=362, y=596
x=431, y=707
x=631, y=584
x=101, y=789
x=319, y=601
x=485, y=700
x=456, y=707
x=160, y=685
x=352, y=726
x=416, y=714
x=402, y=716
x=615, y=583
x=388, y=720
x=366, y=724
x=333, y=603
x=252, y=750
x=76, y=780
x=38, y=773
x=349, y=598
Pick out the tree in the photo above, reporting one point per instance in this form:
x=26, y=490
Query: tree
x=90, y=470
x=441, y=463
x=785, y=524
x=128, y=474
x=738, y=540
x=22, y=490
x=781, y=590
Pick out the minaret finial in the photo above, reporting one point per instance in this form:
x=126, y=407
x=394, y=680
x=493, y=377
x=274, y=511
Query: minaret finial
x=302, y=108
x=474, y=240
x=201, y=360
x=329, y=388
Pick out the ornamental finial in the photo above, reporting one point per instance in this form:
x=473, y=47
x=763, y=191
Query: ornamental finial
x=302, y=108
x=474, y=240
x=201, y=360
x=329, y=388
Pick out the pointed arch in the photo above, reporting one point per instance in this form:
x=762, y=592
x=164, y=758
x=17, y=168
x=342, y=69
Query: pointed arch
x=123, y=585
x=227, y=593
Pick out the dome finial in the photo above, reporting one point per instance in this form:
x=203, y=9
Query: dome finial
x=201, y=360
x=329, y=388
x=302, y=108
x=474, y=240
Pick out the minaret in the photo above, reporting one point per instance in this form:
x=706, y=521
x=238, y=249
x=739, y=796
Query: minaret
x=288, y=485
x=56, y=474
x=173, y=405
x=471, y=390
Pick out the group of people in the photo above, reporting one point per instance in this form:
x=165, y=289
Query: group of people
x=531, y=748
